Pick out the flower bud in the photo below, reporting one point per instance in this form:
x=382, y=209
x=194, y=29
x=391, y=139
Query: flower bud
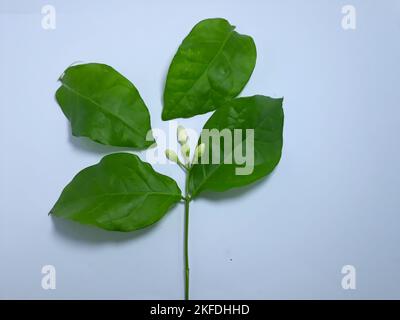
x=181, y=135
x=171, y=155
x=185, y=150
x=199, y=151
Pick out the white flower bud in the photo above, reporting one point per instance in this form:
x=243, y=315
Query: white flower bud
x=181, y=135
x=185, y=150
x=199, y=151
x=171, y=155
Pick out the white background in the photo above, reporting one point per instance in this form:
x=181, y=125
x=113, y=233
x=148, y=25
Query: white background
x=333, y=200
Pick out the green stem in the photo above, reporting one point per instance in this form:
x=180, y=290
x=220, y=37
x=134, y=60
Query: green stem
x=187, y=201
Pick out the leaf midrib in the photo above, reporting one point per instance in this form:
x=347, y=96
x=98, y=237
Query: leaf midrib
x=208, y=66
x=105, y=111
x=113, y=194
x=219, y=165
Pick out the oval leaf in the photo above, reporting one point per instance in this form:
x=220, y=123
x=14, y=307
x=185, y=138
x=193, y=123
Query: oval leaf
x=212, y=64
x=121, y=193
x=262, y=114
x=104, y=106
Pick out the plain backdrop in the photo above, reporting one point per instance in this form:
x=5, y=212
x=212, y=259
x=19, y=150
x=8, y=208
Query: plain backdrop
x=332, y=201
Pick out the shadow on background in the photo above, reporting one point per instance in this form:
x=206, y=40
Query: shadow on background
x=235, y=193
x=75, y=231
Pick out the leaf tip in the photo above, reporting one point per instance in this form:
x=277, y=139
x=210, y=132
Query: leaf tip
x=61, y=76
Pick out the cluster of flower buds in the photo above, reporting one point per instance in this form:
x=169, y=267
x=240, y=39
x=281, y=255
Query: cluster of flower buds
x=183, y=140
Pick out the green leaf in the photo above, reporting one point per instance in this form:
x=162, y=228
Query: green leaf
x=121, y=193
x=265, y=116
x=104, y=106
x=212, y=65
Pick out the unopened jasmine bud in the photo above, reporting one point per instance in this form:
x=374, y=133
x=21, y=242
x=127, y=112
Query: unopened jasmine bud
x=199, y=151
x=181, y=135
x=185, y=150
x=171, y=155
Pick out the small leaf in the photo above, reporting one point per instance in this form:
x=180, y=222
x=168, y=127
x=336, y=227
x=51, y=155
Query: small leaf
x=121, y=193
x=104, y=106
x=212, y=65
x=265, y=116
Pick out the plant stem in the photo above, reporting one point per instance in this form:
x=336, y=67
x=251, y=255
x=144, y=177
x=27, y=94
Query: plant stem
x=187, y=201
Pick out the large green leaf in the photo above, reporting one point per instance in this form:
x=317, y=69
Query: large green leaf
x=265, y=116
x=104, y=106
x=212, y=64
x=121, y=193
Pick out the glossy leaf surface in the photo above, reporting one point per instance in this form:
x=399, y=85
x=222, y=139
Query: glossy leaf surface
x=104, y=106
x=121, y=193
x=265, y=116
x=212, y=64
